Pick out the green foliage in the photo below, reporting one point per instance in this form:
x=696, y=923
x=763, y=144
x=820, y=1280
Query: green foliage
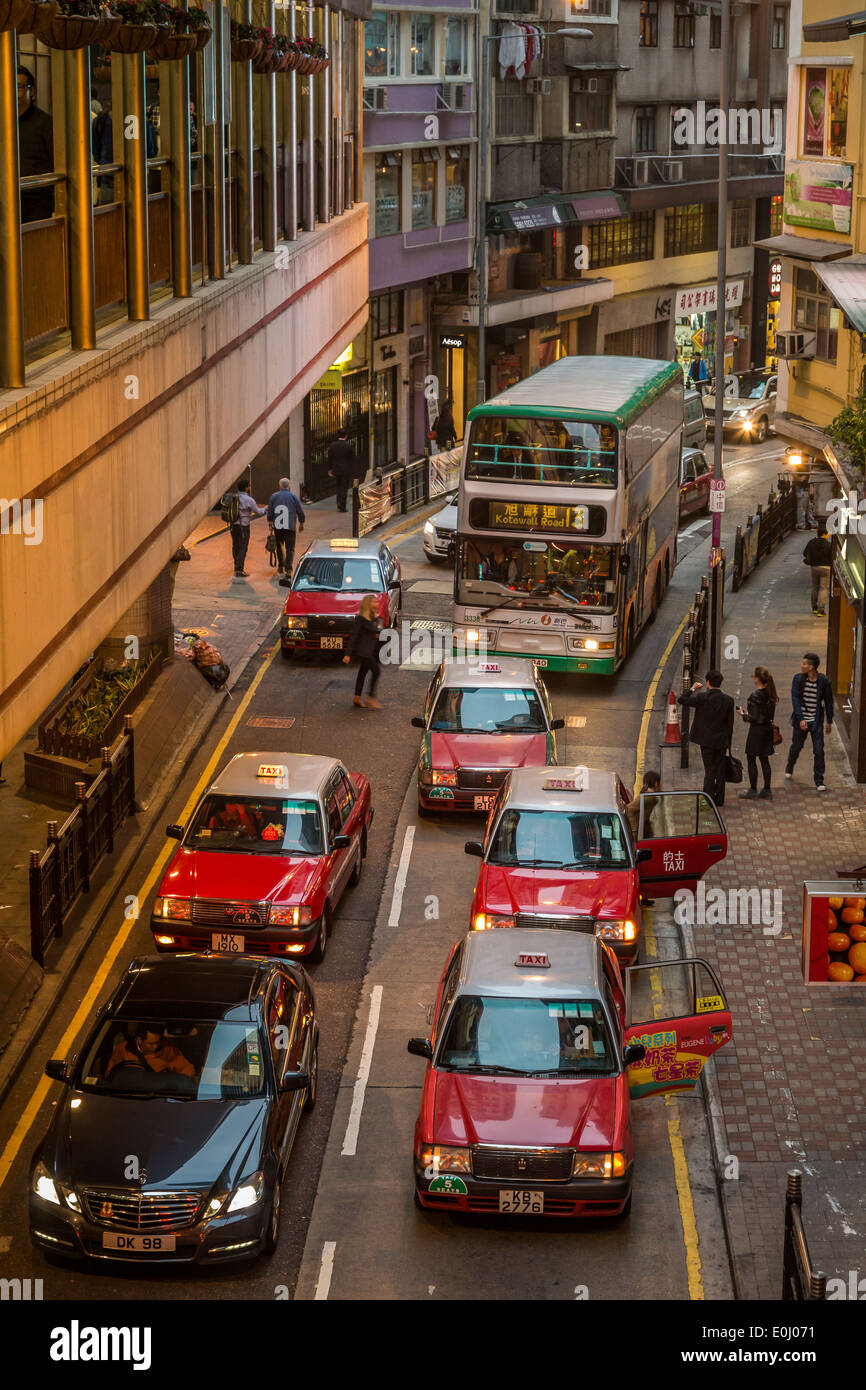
x=87, y=716
x=849, y=430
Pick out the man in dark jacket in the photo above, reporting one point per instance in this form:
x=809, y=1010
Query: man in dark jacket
x=811, y=705
x=817, y=554
x=712, y=730
x=343, y=467
x=35, y=149
x=285, y=515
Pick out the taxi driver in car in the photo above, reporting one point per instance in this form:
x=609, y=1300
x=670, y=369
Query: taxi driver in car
x=150, y=1051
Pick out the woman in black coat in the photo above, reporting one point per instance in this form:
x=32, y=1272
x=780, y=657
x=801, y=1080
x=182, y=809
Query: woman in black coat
x=759, y=716
x=444, y=428
x=364, y=644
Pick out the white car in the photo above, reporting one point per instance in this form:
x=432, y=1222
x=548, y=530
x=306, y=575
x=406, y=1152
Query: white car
x=440, y=531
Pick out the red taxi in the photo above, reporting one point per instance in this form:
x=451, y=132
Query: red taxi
x=481, y=719
x=564, y=848
x=266, y=857
x=533, y=1062
x=326, y=592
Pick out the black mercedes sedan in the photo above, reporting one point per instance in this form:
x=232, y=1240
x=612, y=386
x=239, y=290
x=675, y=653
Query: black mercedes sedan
x=171, y=1139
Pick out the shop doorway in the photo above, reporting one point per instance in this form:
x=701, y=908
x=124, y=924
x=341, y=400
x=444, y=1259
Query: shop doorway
x=325, y=413
x=384, y=406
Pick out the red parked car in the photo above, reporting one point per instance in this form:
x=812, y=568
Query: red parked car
x=326, y=592
x=561, y=851
x=266, y=857
x=532, y=1065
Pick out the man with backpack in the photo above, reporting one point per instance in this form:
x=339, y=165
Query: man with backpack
x=237, y=509
x=812, y=705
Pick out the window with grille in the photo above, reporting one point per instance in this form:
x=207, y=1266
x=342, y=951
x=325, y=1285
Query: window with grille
x=741, y=222
x=386, y=314
x=814, y=311
x=684, y=27
x=780, y=26
x=644, y=130
x=514, y=111
x=389, y=179
x=649, y=24
x=619, y=240
x=590, y=111
x=690, y=229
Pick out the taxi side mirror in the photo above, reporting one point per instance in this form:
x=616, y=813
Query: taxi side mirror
x=57, y=1069
x=420, y=1047
x=285, y=582
x=341, y=842
x=475, y=848
x=557, y=723
x=294, y=1081
x=633, y=1052
x=643, y=855
x=418, y=722
x=174, y=832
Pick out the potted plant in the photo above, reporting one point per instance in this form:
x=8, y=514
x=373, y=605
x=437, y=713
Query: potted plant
x=27, y=16
x=77, y=24
x=245, y=42
x=198, y=23
x=140, y=22
x=174, y=40
x=282, y=46
x=268, y=58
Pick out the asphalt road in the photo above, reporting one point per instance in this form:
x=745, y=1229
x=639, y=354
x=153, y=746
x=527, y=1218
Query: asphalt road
x=362, y=1203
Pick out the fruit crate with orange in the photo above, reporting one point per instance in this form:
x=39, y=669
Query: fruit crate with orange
x=834, y=932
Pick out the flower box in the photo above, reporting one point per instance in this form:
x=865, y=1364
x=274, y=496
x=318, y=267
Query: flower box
x=26, y=15
x=170, y=48
x=134, y=38
x=71, y=31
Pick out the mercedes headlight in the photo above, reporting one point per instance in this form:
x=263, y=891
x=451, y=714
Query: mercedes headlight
x=44, y=1186
x=249, y=1194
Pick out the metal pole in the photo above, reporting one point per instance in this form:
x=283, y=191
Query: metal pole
x=481, y=217
x=270, y=184
x=135, y=181
x=11, y=270
x=310, y=141
x=339, y=114
x=244, y=94
x=79, y=202
x=326, y=121
x=291, y=201
x=180, y=178
x=217, y=143
x=715, y=654
x=358, y=92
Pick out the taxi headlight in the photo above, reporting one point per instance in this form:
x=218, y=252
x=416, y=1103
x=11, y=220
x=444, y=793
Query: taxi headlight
x=295, y=623
x=595, y=1165
x=443, y=779
x=44, y=1186
x=249, y=1194
x=484, y=921
x=446, y=1159
x=175, y=909
x=625, y=930
x=290, y=916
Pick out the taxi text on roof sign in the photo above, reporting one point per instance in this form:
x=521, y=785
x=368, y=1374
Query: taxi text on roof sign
x=534, y=959
x=271, y=770
x=567, y=784
x=344, y=543
x=491, y=667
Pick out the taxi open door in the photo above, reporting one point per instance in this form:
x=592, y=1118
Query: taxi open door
x=677, y=1046
x=682, y=836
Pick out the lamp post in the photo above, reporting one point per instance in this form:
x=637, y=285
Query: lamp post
x=572, y=32
x=716, y=572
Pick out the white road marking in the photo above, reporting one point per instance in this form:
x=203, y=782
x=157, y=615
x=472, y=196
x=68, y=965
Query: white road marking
x=350, y=1140
x=326, y=1269
x=402, y=875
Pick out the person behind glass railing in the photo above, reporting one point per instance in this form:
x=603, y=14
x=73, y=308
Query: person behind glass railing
x=35, y=149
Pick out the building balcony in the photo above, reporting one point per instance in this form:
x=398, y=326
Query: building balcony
x=408, y=257
x=513, y=305
x=653, y=180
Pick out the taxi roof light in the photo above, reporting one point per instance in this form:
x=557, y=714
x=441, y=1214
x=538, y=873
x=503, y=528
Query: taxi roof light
x=344, y=543
x=272, y=770
x=534, y=960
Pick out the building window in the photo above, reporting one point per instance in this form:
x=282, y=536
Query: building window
x=423, y=188
x=741, y=222
x=715, y=29
x=421, y=50
x=815, y=312
x=824, y=130
x=600, y=8
x=780, y=26
x=684, y=27
x=590, y=104
x=516, y=6
x=383, y=403
x=776, y=215
x=514, y=110
x=649, y=24
x=457, y=48
x=382, y=45
x=620, y=240
x=644, y=130
x=386, y=314
x=690, y=229
x=456, y=185
x=389, y=178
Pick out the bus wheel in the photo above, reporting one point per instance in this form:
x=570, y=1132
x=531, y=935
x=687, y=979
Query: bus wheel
x=667, y=570
x=657, y=595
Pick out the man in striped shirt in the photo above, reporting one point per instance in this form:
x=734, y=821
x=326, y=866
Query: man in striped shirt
x=812, y=705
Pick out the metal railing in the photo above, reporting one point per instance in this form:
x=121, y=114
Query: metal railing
x=755, y=540
x=694, y=644
x=389, y=494
x=694, y=168
x=514, y=115
x=801, y=1283
x=61, y=872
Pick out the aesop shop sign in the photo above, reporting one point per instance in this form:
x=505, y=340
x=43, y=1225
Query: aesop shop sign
x=452, y=340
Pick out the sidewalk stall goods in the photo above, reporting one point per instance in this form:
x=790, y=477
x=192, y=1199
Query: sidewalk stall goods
x=834, y=932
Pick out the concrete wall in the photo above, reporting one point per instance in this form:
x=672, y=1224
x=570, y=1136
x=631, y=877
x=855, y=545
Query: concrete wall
x=128, y=447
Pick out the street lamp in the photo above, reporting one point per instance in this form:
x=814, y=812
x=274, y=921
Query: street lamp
x=716, y=575
x=572, y=32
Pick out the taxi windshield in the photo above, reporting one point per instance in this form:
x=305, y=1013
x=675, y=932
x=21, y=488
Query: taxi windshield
x=487, y=710
x=256, y=825
x=182, y=1059
x=332, y=572
x=559, y=839
x=561, y=1037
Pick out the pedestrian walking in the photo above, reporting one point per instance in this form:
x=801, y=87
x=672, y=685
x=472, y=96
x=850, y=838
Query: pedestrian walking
x=286, y=516
x=238, y=509
x=698, y=374
x=343, y=466
x=443, y=427
x=812, y=706
x=817, y=554
x=364, y=644
x=759, y=715
x=712, y=730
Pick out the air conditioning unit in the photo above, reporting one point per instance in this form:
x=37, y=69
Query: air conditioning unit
x=796, y=344
x=641, y=171
x=586, y=84
x=457, y=96
x=540, y=85
x=672, y=171
x=375, y=99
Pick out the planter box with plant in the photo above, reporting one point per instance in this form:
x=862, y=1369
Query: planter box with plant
x=245, y=42
x=27, y=16
x=848, y=430
x=77, y=24
x=141, y=24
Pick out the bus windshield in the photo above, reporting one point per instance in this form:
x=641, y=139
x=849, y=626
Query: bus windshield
x=576, y=453
x=536, y=574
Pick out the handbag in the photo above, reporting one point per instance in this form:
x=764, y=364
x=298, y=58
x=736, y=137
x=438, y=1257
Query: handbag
x=271, y=548
x=733, y=768
x=777, y=735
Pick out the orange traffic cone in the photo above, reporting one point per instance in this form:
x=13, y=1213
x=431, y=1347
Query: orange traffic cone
x=672, y=723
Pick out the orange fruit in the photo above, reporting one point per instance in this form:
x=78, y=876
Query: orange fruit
x=859, y=980
x=840, y=973
x=858, y=931
x=852, y=914
x=857, y=957
x=838, y=941
x=855, y=902
x=835, y=902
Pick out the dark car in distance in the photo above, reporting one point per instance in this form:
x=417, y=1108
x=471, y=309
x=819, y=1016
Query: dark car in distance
x=171, y=1139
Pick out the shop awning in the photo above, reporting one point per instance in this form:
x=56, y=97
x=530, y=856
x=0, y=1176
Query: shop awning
x=838, y=30
x=804, y=248
x=846, y=281
x=554, y=210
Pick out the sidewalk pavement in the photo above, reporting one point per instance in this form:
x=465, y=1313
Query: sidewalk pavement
x=788, y=1092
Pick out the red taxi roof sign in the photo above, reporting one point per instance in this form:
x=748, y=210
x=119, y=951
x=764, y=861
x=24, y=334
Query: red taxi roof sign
x=533, y=960
x=563, y=784
x=490, y=667
x=271, y=770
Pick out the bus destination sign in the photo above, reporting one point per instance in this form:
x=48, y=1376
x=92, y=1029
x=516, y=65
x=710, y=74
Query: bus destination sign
x=532, y=516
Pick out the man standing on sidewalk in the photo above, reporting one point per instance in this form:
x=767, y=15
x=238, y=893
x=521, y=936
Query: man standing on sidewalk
x=241, y=515
x=812, y=704
x=285, y=514
x=817, y=555
x=343, y=466
x=712, y=730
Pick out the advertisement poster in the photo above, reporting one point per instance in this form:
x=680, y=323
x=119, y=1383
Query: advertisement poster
x=834, y=933
x=814, y=110
x=818, y=195
x=838, y=131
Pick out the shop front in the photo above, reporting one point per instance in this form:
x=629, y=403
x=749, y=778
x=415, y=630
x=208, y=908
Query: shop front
x=694, y=315
x=339, y=400
x=636, y=325
x=845, y=646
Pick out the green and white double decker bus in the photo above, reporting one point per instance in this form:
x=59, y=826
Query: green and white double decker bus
x=568, y=511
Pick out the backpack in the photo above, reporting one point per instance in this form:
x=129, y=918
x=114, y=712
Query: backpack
x=230, y=508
